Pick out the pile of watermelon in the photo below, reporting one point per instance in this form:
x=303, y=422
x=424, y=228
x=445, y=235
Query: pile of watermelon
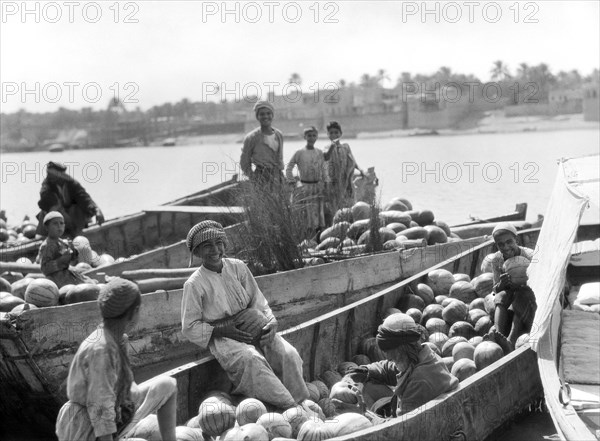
x=399, y=227
x=230, y=418
x=15, y=235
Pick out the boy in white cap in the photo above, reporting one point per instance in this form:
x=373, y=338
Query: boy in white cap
x=56, y=254
x=263, y=148
x=215, y=298
x=515, y=305
x=104, y=402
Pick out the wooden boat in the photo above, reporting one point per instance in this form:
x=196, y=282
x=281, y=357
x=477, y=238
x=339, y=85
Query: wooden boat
x=37, y=347
x=154, y=227
x=482, y=403
x=567, y=338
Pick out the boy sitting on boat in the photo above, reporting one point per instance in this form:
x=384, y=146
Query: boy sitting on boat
x=56, y=254
x=412, y=367
x=224, y=310
x=514, y=301
x=313, y=175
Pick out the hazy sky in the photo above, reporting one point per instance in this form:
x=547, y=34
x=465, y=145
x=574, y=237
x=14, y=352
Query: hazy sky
x=159, y=51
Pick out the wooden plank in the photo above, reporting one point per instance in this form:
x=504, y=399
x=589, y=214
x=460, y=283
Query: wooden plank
x=206, y=210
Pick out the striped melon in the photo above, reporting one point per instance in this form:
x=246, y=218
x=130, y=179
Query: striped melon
x=249, y=411
x=322, y=388
x=315, y=431
x=463, y=368
x=275, y=425
x=42, y=293
x=313, y=392
x=215, y=417
x=487, y=353
x=296, y=416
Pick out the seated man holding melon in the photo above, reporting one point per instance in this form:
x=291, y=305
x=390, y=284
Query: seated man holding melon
x=514, y=301
x=417, y=374
x=224, y=310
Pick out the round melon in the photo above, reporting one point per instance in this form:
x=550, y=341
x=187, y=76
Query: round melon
x=439, y=339
x=327, y=406
x=314, y=431
x=313, y=392
x=313, y=410
x=42, y=293
x=5, y=286
x=343, y=215
x=343, y=369
x=448, y=362
x=331, y=377
x=358, y=228
x=463, y=349
x=85, y=292
x=463, y=291
x=361, y=210
x=463, y=329
x=8, y=302
x=415, y=314
x=219, y=396
x=184, y=433
x=252, y=321
x=408, y=301
x=343, y=391
x=490, y=307
x=83, y=267
x=215, y=417
x=447, y=301
x=444, y=226
x=435, y=235
x=405, y=201
x=322, y=388
x=19, y=287
x=436, y=324
x=348, y=423
x=449, y=345
x=476, y=340
x=248, y=432
x=486, y=263
x=62, y=293
x=455, y=311
x=29, y=231
x=463, y=368
x=440, y=281
x=360, y=360
x=19, y=309
x=396, y=227
x=460, y=277
x=478, y=303
x=415, y=233
x=147, y=429
x=395, y=205
x=483, y=284
x=275, y=425
x=486, y=353
x=347, y=242
x=105, y=259
x=475, y=315
x=338, y=230
x=388, y=217
x=330, y=242
x=432, y=311
x=425, y=217
x=425, y=292
x=194, y=422
x=516, y=268
x=249, y=411
x=392, y=245
x=522, y=340
x=483, y=325
x=390, y=311
x=296, y=416
x=440, y=300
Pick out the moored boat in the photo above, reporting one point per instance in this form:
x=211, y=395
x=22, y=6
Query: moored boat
x=567, y=337
x=38, y=346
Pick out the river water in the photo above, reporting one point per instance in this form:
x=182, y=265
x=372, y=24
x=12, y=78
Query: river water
x=454, y=176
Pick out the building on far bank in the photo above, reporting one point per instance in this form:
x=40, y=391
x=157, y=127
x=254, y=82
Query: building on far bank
x=565, y=101
x=591, y=105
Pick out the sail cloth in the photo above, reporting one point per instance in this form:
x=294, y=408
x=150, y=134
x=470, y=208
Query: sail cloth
x=575, y=189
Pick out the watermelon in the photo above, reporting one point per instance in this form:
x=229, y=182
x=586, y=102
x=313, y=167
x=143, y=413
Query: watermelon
x=338, y=230
x=328, y=407
x=463, y=350
x=251, y=431
x=389, y=217
x=522, y=340
x=343, y=392
x=460, y=277
x=489, y=304
x=19, y=287
x=322, y=387
x=275, y=425
x=42, y=293
x=147, y=429
x=330, y=242
x=425, y=217
x=483, y=284
x=415, y=233
x=396, y=227
x=475, y=315
x=487, y=353
x=463, y=291
x=85, y=292
x=478, y=303
x=435, y=235
x=5, y=286
x=431, y=311
x=249, y=411
x=483, y=325
x=331, y=377
x=408, y=301
x=343, y=215
x=215, y=417
x=433, y=347
x=184, y=433
x=456, y=311
x=439, y=339
x=314, y=431
x=348, y=423
x=449, y=345
x=436, y=324
x=358, y=228
x=425, y=292
x=8, y=302
x=415, y=314
x=516, y=268
x=313, y=392
x=476, y=340
x=360, y=360
x=463, y=369
x=395, y=205
x=448, y=362
x=393, y=245
x=296, y=416
x=440, y=281
x=444, y=226
x=486, y=263
x=361, y=210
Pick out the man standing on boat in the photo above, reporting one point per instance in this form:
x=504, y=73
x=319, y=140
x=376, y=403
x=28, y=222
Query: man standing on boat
x=60, y=192
x=224, y=310
x=263, y=148
x=515, y=305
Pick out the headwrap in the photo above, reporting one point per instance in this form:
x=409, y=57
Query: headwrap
x=310, y=129
x=117, y=296
x=263, y=104
x=53, y=215
x=56, y=166
x=504, y=227
x=396, y=330
x=334, y=125
x=201, y=232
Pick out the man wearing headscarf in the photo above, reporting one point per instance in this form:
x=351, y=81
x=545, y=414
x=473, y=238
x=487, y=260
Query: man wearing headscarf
x=221, y=306
x=416, y=374
x=509, y=298
x=263, y=148
x=60, y=192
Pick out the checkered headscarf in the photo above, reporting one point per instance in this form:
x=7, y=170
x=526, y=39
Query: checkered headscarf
x=203, y=231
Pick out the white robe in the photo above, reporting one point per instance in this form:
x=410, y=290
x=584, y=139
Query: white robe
x=273, y=373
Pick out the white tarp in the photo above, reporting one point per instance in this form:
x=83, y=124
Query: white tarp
x=575, y=190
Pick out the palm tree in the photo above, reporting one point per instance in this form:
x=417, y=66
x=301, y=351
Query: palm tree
x=342, y=82
x=295, y=78
x=500, y=71
x=382, y=76
x=523, y=72
x=366, y=80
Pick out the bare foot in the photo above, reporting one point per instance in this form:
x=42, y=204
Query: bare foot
x=500, y=340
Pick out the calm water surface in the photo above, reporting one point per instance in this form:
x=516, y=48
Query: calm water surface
x=455, y=176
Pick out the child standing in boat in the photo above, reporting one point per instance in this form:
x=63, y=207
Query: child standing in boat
x=313, y=176
x=56, y=254
x=514, y=301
